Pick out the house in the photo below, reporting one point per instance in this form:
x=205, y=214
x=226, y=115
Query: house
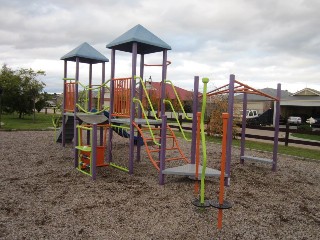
x=304, y=103
x=257, y=102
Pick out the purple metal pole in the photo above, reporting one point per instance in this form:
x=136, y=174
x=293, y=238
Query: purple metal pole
x=163, y=143
x=113, y=59
x=75, y=122
x=103, y=81
x=90, y=86
x=140, y=86
x=139, y=108
x=229, y=133
x=132, y=106
x=90, y=98
x=276, y=129
x=94, y=151
x=102, y=100
x=163, y=86
x=65, y=74
x=243, y=129
x=194, y=118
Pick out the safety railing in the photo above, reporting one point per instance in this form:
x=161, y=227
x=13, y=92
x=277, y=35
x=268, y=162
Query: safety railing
x=85, y=98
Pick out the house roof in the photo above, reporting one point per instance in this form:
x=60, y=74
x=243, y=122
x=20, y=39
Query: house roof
x=86, y=54
x=269, y=91
x=306, y=97
x=307, y=92
x=147, y=41
x=183, y=94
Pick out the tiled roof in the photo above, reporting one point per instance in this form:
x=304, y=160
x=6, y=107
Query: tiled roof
x=183, y=94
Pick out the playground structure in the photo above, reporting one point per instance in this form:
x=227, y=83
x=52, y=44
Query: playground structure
x=126, y=114
x=236, y=87
x=91, y=125
x=127, y=117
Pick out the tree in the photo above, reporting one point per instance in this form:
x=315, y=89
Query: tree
x=21, y=89
x=219, y=104
x=10, y=84
x=41, y=103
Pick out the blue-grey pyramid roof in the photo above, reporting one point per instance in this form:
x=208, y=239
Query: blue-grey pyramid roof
x=147, y=41
x=86, y=54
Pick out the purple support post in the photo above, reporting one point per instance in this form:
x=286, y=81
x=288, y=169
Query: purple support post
x=102, y=100
x=229, y=129
x=132, y=106
x=90, y=86
x=163, y=84
x=75, y=122
x=76, y=143
x=94, y=151
x=243, y=128
x=103, y=81
x=113, y=59
x=140, y=86
x=90, y=98
x=65, y=74
x=139, y=108
x=276, y=129
x=163, y=143
x=194, y=118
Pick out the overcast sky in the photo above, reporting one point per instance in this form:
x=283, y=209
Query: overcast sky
x=262, y=42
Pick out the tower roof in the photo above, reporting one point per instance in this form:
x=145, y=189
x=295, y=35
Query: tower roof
x=86, y=54
x=147, y=41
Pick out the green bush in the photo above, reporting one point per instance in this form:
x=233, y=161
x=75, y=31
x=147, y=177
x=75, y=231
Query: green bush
x=304, y=128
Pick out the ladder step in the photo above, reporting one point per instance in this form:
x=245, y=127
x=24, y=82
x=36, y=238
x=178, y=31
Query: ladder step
x=156, y=138
x=167, y=149
x=148, y=139
x=173, y=159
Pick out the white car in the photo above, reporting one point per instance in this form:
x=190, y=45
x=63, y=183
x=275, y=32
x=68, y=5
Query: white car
x=294, y=120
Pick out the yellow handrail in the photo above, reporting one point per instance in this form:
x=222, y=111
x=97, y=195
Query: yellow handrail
x=86, y=98
x=147, y=96
x=177, y=96
x=176, y=117
x=147, y=121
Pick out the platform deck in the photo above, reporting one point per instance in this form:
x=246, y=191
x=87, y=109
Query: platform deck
x=257, y=159
x=190, y=170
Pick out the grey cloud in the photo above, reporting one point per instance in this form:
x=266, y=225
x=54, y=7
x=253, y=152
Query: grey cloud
x=264, y=38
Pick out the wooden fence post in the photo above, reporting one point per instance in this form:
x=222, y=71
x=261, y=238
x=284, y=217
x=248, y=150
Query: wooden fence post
x=286, y=139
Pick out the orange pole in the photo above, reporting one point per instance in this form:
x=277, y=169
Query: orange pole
x=225, y=117
x=196, y=185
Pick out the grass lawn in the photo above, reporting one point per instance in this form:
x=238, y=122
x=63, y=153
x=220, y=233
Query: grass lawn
x=306, y=136
x=261, y=146
x=12, y=121
x=44, y=121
